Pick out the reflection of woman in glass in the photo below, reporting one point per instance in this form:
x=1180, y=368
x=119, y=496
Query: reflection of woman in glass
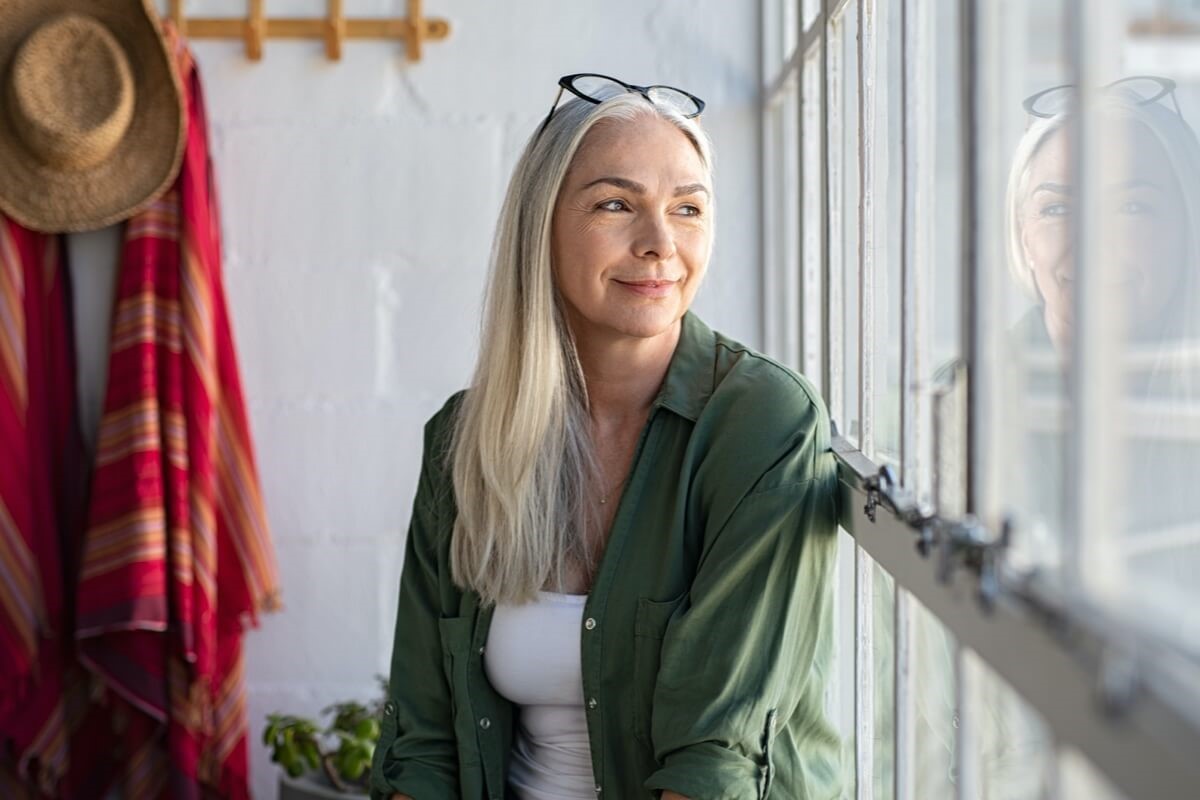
x=1151, y=197
x=1147, y=185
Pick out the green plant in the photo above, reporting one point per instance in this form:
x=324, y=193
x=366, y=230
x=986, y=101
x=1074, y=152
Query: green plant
x=342, y=750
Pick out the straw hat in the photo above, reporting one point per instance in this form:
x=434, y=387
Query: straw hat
x=92, y=121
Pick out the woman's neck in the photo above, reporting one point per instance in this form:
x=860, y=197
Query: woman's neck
x=623, y=374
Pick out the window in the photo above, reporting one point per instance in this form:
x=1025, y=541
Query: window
x=992, y=277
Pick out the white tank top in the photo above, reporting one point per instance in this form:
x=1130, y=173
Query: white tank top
x=532, y=659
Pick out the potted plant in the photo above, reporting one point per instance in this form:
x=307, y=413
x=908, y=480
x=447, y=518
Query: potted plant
x=323, y=763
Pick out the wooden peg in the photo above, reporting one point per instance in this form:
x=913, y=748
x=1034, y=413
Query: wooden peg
x=415, y=32
x=335, y=33
x=177, y=17
x=256, y=31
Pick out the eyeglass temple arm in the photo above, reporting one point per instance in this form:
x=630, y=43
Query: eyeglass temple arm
x=549, y=114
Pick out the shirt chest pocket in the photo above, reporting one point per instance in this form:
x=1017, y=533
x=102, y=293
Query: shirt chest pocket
x=650, y=626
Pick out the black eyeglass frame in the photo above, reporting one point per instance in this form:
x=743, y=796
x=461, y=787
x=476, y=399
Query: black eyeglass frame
x=1166, y=87
x=568, y=82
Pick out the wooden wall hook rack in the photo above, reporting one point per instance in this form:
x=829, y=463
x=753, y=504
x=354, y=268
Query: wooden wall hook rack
x=414, y=30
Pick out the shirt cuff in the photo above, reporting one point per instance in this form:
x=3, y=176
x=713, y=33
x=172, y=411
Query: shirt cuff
x=709, y=772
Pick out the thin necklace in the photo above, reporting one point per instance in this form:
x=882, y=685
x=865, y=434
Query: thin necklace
x=608, y=494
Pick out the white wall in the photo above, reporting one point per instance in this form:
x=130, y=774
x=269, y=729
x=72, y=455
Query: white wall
x=358, y=202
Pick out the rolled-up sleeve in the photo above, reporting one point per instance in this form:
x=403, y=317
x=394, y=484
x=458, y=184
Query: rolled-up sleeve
x=416, y=754
x=747, y=654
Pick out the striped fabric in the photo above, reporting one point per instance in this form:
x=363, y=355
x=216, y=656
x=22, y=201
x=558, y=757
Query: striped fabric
x=41, y=490
x=174, y=560
x=177, y=557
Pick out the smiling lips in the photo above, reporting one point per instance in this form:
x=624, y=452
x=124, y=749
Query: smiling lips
x=649, y=288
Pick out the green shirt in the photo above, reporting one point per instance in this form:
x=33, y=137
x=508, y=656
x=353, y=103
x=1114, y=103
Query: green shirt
x=707, y=634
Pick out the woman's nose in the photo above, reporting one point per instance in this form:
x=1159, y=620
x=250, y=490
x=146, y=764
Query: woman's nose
x=654, y=239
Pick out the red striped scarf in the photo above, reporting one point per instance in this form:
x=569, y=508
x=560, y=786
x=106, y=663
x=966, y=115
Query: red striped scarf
x=41, y=473
x=176, y=557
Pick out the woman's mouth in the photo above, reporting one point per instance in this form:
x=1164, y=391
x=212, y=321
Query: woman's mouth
x=649, y=288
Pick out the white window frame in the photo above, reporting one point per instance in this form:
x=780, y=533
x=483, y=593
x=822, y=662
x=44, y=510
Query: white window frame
x=1106, y=689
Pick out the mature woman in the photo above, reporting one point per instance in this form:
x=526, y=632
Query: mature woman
x=616, y=581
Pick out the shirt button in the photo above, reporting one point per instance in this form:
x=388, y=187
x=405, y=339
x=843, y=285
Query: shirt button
x=589, y=623
x=598, y=788
x=485, y=723
x=592, y=702
x=389, y=708
x=481, y=649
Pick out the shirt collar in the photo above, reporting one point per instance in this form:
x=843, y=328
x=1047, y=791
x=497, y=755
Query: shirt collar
x=689, y=380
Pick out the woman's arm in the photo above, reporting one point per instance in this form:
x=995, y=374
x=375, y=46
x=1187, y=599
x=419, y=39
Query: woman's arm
x=417, y=753
x=669, y=795
x=746, y=656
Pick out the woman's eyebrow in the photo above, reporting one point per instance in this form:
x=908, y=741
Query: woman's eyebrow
x=1138, y=183
x=691, y=188
x=637, y=188
x=1057, y=188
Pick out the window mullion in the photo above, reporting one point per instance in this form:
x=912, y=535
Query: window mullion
x=864, y=671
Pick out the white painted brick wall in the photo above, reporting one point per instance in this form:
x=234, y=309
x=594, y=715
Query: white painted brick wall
x=358, y=204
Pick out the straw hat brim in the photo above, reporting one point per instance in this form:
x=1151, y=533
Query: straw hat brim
x=145, y=161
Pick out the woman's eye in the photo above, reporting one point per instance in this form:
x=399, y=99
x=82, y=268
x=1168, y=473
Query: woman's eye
x=613, y=205
x=1055, y=210
x=690, y=211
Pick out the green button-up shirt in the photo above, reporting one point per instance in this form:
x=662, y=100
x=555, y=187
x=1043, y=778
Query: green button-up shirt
x=707, y=633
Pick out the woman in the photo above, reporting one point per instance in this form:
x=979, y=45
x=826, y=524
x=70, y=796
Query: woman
x=616, y=580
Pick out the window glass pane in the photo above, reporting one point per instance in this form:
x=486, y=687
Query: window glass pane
x=811, y=9
x=813, y=224
x=883, y=73
x=842, y=88
x=839, y=697
x=1022, y=416
x=790, y=27
x=772, y=38
x=1013, y=748
x=1078, y=779
x=935, y=707
x=884, y=659
x=1143, y=179
x=781, y=200
x=937, y=460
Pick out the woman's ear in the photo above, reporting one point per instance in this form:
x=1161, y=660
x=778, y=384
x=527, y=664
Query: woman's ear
x=1027, y=263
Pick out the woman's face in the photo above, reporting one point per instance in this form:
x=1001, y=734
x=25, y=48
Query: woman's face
x=632, y=229
x=1143, y=208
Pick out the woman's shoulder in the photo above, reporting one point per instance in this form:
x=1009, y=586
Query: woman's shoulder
x=745, y=379
x=763, y=416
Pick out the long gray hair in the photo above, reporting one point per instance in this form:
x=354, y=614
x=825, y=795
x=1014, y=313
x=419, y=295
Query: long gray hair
x=522, y=455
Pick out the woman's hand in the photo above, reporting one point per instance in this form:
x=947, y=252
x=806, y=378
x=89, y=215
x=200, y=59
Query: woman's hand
x=669, y=795
x=401, y=797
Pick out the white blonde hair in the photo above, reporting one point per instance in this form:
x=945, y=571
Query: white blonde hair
x=522, y=455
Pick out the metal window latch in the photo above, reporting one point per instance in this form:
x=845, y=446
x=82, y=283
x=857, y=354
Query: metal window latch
x=966, y=542
x=958, y=542
x=883, y=489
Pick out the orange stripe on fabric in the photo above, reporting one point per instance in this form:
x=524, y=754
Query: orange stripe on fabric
x=198, y=319
x=21, y=593
x=243, y=506
x=49, y=747
x=147, y=320
x=143, y=531
x=230, y=711
x=12, y=320
x=149, y=551
x=147, y=531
